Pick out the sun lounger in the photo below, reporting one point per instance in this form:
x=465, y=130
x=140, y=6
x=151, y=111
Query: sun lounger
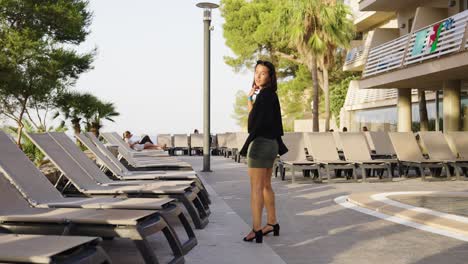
x=117, y=140
x=89, y=166
x=165, y=139
x=214, y=144
x=18, y=217
x=42, y=249
x=181, y=142
x=356, y=150
x=295, y=159
x=164, y=162
x=437, y=148
x=143, y=156
x=324, y=152
x=222, y=142
x=458, y=141
x=121, y=172
x=98, y=184
x=114, y=139
x=241, y=137
x=102, y=148
x=196, y=142
x=37, y=189
x=231, y=143
x=336, y=137
x=56, y=139
x=380, y=144
x=409, y=154
x=105, y=158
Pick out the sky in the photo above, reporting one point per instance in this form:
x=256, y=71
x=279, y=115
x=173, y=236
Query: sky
x=149, y=63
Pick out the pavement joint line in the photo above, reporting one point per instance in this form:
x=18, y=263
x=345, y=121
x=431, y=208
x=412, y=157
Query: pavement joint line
x=342, y=200
x=383, y=197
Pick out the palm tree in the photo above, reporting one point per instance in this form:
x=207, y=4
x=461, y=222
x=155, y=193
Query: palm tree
x=302, y=19
x=337, y=32
x=100, y=111
x=75, y=106
x=315, y=29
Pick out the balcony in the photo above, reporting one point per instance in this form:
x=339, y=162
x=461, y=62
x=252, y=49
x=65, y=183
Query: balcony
x=385, y=5
x=421, y=59
x=367, y=20
x=357, y=55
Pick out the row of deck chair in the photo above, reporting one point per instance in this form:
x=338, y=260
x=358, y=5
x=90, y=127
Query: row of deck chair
x=182, y=142
x=439, y=153
x=105, y=207
x=370, y=152
x=357, y=153
x=227, y=144
x=145, y=158
x=324, y=155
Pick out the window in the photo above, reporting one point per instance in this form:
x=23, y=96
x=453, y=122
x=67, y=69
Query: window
x=358, y=36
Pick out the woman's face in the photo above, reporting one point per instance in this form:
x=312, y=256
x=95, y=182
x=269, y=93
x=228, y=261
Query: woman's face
x=262, y=76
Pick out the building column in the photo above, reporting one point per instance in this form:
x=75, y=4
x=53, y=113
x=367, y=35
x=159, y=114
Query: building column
x=465, y=118
x=451, y=105
x=404, y=110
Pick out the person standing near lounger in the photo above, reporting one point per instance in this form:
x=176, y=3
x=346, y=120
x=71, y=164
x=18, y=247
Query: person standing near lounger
x=262, y=147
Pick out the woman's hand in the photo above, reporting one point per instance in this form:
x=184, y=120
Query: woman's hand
x=253, y=90
x=251, y=94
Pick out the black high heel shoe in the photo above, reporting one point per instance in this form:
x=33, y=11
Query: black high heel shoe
x=275, y=230
x=258, y=236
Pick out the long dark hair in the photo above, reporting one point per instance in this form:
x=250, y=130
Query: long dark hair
x=271, y=71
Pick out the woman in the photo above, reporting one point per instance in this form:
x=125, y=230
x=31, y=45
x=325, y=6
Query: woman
x=262, y=147
x=139, y=145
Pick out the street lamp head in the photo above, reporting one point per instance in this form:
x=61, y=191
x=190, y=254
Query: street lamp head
x=207, y=5
x=207, y=9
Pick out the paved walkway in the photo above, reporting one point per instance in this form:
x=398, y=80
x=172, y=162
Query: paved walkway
x=317, y=230
x=314, y=228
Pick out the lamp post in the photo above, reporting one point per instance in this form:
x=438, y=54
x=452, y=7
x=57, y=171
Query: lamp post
x=207, y=7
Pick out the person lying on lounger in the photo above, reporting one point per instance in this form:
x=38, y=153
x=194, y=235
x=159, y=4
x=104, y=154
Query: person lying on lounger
x=144, y=143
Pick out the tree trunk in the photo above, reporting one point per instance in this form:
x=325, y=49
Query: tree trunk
x=20, y=124
x=76, y=125
x=95, y=129
x=315, y=95
x=423, y=119
x=77, y=129
x=326, y=90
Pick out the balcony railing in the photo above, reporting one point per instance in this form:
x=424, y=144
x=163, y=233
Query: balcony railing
x=355, y=54
x=439, y=39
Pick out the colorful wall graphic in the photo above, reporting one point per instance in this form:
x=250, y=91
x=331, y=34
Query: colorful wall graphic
x=427, y=40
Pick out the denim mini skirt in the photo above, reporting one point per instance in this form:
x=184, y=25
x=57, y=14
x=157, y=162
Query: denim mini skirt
x=262, y=153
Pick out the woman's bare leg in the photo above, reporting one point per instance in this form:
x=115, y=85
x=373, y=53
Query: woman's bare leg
x=269, y=200
x=151, y=146
x=256, y=197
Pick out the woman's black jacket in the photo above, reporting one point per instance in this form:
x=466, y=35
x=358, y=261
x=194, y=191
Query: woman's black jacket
x=265, y=120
